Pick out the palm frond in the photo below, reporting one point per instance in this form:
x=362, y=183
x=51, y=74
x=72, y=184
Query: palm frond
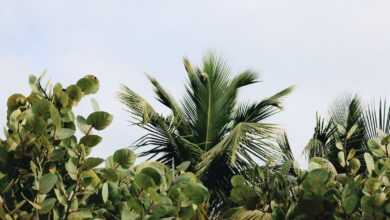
x=377, y=119
x=246, y=141
x=259, y=111
x=284, y=145
x=139, y=108
x=322, y=140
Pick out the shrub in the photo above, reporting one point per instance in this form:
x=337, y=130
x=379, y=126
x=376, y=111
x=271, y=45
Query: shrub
x=47, y=172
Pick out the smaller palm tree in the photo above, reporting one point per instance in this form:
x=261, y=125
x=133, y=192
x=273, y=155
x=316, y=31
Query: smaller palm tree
x=348, y=114
x=208, y=129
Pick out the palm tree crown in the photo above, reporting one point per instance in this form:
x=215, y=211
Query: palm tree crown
x=208, y=128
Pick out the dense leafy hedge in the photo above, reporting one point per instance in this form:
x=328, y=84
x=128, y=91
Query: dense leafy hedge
x=47, y=173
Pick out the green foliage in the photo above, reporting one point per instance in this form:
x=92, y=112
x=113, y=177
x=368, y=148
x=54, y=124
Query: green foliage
x=209, y=128
x=46, y=172
x=321, y=192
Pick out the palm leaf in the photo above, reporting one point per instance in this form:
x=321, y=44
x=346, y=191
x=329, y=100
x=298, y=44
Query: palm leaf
x=377, y=119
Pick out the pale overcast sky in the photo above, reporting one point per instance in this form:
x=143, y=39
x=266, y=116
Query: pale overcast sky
x=325, y=48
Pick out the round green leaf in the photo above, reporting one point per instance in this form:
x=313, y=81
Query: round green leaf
x=47, y=182
x=47, y=205
x=55, y=116
x=14, y=101
x=91, y=162
x=90, y=140
x=350, y=197
x=318, y=163
x=88, y=84
x=124, y=157
x=64, y=133
x=369, y=162
x=153, y=173
x=42, y=108
x=196, y=192
x=81, y=214
x=238, y=180
x=74, y=93
x=99, y=120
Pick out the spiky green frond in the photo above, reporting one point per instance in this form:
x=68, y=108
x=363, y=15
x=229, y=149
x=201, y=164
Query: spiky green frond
x=284, y=145
x=244, y=139
x=377, y=118
x=322, y=140
x=257, y=112
x=138, y=107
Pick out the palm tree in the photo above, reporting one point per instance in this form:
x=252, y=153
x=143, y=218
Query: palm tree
x=208, y=128
x=346, y=114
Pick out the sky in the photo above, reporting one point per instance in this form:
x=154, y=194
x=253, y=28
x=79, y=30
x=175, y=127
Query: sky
x=325, y=48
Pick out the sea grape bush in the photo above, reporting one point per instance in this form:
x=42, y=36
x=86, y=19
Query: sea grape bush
x=46, y=172
x=320, y=192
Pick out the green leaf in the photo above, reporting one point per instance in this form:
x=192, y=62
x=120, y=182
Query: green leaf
x=80, y=215
x=153, y=173
x=376, y=148
x=350, y=197
x=32, y=81
x=183, y=166
x=321, y=163
x=99, y=120
x=95, y=105
x=105, y=192
x=64, y=133
x=42, y=108
x=91, y=162
x=339, y=145
x=355, y=165
x=57, y=155
x=14, y=101
x=47, y=205
x=109, y=174
x=144, y=181
x=91, y=140
x=369, y=162
x=341, y=129
x=351, y=131
x=60, y=197
x=341, y=158
x=314, y=179
x=47, y=182
x=74, y=93
x=82, y=124
x=238, y=180
x=124, y=157
x=351, y=154
x=371, y=185
x=36, y=125
x=55, y=117
x=88, y=84
x=72, y=169
x=60, y=96
x=127, y=214
x=196, y=192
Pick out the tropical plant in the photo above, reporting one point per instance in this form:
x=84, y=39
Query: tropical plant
x=346, y=123
x=46, y=171
x=213, y=132
x=321, y=192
